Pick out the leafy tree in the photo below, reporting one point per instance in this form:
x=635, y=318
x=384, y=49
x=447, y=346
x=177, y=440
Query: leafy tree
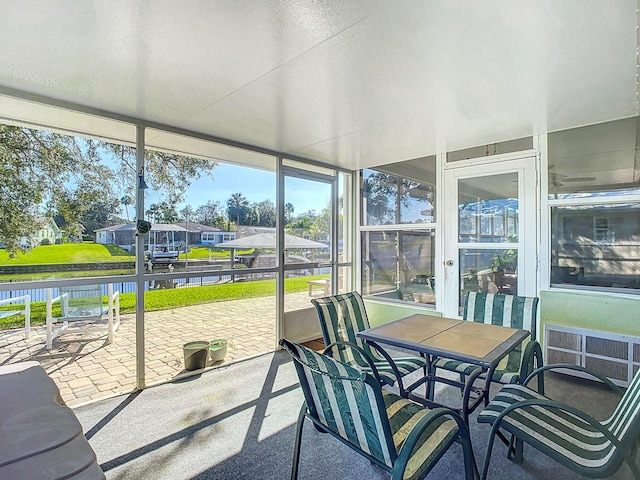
x=310, y=214
x=163, y=212
x=74, y=205
x=167, y=173
x=186, y=214
x=382, y=189
x=251, y=216
x=267, y=214
x=377, y=194
x=300, y=224
x=205, y=214
x=37, y=167
x=220, y=222
x=67, y=175
x=100, y=213
x=153, y=212
x=321, y=227
x=17, y=207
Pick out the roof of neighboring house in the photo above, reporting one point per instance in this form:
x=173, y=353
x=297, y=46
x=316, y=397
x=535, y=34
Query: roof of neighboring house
x=167, y=227
x=157, y=227
x=115, y=228
x=42, y=220
x=252, y=230
x=198, y=227
x=266, y=240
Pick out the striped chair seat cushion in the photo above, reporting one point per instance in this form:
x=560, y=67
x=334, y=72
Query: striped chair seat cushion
x=455, y=366
x=437, y=438
x=559, y=434
x=406, y=365
x=499, y=375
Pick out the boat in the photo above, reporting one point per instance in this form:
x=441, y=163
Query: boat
x=163, y=252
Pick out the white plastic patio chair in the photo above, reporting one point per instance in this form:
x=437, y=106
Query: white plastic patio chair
x=82, y=304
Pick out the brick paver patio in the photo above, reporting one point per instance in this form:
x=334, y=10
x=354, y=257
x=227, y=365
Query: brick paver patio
x=85, y=368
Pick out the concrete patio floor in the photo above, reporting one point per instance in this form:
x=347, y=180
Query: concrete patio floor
x=85, y=368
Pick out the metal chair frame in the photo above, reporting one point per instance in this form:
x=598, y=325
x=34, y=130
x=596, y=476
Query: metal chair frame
x=362, y=385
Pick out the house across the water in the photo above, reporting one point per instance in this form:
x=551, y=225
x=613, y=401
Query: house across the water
x=172, y=236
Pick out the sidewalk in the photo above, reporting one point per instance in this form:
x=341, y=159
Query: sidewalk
x=86, y=369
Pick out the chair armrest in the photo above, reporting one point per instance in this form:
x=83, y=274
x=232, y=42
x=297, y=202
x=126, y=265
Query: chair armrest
x=418, y=429
x=532, y=351
x=390, y=361
x=49, y=305
x=285, y=344
x=22, y=299
x=355, y=347
x=574, y=411
x=569, y=366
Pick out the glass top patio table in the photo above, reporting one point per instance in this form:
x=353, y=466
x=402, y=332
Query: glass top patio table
x=471, y=342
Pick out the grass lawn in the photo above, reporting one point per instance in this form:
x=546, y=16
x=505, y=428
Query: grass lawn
x=25, y=277
x=95, y=252
x=202, y=253
x=173, y=298
x=68, y=253
x=87, y=253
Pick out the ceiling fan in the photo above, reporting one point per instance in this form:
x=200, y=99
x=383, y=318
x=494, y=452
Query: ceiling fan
x=559, y=179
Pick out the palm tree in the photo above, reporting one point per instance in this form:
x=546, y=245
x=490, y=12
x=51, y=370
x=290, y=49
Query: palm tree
x=126, y=200
x=236, y=206
x=288, y=212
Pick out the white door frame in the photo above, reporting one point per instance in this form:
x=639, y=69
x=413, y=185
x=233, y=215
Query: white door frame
x=525, y=165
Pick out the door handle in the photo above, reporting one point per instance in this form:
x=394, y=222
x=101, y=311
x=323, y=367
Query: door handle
x=449, y=263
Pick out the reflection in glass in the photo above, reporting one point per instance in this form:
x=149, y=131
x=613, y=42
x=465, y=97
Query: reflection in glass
x=308, y=230
x=400, y=193
x=345, y=283
x=594, y=161
x=596, y=246
x=399, y=265
x=488, y=270
x=379, y=193
x=345, y=238
x=500, y=148
x=485, y=204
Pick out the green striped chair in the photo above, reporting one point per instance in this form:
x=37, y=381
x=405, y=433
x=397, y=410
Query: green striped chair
x=341, y=318
x=401, y=436
x=509, y=311
x=570, y=436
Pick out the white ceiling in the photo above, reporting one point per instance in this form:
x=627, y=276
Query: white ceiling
x=352, y=83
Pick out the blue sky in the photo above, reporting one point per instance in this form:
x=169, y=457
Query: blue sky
x=256, y=186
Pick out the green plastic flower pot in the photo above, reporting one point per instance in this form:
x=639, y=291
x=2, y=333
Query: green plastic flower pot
x=217, y=350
